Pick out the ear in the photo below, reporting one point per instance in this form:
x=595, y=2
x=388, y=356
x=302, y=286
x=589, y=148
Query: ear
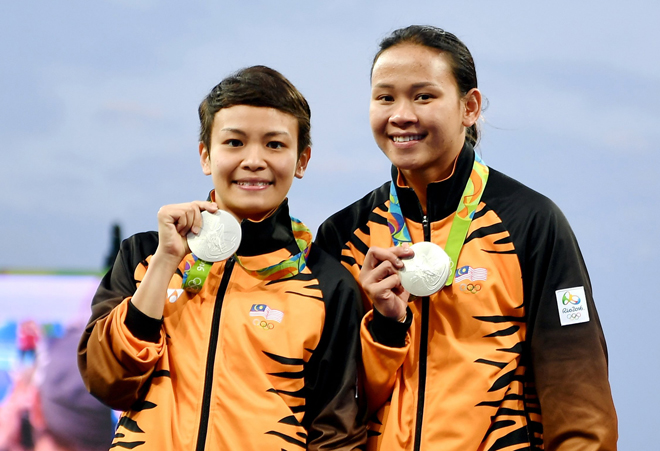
x=303, y=161
x=204, y=158
x=472, y=101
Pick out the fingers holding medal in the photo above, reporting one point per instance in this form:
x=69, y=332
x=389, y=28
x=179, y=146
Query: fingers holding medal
x=390, y=276
x=218, y=238
x=427, y=272
x=175, y=222
x=380, y=279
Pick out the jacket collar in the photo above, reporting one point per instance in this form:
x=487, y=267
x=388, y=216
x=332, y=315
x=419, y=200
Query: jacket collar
x=442, y=196
x=268, y=235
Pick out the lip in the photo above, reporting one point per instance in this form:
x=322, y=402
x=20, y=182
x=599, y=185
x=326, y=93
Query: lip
x=252, y=184
x=405, y=140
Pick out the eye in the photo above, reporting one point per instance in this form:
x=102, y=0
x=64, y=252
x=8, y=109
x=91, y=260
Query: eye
x=233, y=143
x=275, y=145
x=423, y=97
x=385, y=98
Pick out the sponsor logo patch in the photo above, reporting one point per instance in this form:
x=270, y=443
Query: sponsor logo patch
x=572, y=305
x=173, y=294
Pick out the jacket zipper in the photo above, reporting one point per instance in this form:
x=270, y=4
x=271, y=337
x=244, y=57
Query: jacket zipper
x=423, y=352
x=210, y=359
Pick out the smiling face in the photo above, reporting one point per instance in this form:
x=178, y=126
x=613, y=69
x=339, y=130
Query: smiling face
x=417, y=113
x=253, y=159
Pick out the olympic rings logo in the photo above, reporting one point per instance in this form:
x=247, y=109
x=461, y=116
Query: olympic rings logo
x=473, y=288
x=265, y=325
x=195, y=283
x=575, y=315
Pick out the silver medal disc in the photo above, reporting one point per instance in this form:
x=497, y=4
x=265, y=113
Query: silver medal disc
x=427, y=272
x=218, y=238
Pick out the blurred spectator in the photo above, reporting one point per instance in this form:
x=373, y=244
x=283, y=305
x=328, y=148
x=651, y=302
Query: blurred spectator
x=15, y=428
x=27, y=338
x=115, y=244
x=49, y=408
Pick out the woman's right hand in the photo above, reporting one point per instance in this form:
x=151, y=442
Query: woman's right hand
x=380, y=279
x=174, y=223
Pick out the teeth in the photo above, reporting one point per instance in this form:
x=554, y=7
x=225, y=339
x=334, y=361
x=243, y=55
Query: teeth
x=253, y=183
x=403, y=139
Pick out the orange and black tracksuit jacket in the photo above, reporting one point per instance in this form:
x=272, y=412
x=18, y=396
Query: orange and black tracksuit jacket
x=244, y=364
x=484, y=364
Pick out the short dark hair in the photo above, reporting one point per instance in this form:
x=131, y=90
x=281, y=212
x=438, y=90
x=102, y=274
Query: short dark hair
x=460, y=57
x=256, y=86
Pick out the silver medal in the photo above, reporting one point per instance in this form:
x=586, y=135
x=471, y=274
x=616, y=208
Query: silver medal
x=427, y=272
x=218, y=238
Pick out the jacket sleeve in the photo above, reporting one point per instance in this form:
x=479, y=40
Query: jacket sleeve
x=120, y=346
x=385, y=345
x=569, y=362
x=335, y=415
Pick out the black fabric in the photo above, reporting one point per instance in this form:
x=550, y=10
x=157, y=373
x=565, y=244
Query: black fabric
x=442, y=197
x=142, y=326
x=268, y=235
x=332, y=367
x=338, y=230
x=389, y=331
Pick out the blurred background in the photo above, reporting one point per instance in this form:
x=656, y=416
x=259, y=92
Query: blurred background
x=98, y=129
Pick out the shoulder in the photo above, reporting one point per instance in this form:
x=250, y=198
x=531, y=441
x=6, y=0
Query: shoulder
x=136, y=248
x=515, y=202
x=536, y=225
x=338, y=228
x=359, y=211
x=141, y=241
x=329, y=271
x=501, y=187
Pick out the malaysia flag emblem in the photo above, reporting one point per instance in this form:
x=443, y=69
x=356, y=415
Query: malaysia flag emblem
x=266, y=312
x=470, y=273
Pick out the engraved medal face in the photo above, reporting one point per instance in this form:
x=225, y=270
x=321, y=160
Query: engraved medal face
x=218, y=238
x=427, y=272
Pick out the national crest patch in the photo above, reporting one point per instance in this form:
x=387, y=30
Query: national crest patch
x=266, y=312
x=470, y=273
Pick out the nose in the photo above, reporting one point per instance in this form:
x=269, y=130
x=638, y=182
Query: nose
x=253, y=158
x=403, y=114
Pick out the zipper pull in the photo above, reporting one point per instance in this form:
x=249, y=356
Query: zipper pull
x=426, y=228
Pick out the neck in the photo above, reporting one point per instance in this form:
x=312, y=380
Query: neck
x=418, y=180
x=254, y=217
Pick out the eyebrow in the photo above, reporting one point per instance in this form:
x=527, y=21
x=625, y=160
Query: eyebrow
x=242, y=133
x=422, y=84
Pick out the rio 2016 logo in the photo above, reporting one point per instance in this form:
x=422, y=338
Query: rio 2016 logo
x=569, y=298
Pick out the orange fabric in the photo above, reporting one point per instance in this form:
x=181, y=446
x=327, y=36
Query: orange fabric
x=259, y=396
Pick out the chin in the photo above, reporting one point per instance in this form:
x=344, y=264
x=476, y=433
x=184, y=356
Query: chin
x=255, y=214
x=405, y=162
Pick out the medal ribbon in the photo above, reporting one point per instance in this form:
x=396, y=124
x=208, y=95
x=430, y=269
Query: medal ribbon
x=196, y=270
x=467, y=205
x=195, y=273
x=291, y=266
